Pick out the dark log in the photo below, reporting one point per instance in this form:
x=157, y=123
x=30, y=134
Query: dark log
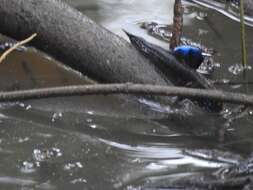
x=77, y=41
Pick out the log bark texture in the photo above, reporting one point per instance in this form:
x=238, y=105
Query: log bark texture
x=77, y=41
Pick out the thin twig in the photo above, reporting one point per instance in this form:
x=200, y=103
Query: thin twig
x=18, y=44
x=127, y=88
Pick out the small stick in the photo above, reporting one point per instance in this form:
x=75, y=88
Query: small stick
x=177, y=24
x=18, y=44
x=127, y=88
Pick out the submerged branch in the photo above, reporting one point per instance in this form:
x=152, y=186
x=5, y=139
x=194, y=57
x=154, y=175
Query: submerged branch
x=127, y=88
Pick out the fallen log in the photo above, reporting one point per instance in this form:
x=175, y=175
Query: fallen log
x=77, y=41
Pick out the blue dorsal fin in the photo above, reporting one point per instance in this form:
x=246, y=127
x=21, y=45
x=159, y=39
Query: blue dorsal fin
x=190, y=55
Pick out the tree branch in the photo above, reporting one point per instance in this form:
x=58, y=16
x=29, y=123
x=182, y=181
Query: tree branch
x=177, y=24
x=127, y=88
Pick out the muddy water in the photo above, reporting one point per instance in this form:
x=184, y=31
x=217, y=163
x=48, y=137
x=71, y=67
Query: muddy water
x=106, y=142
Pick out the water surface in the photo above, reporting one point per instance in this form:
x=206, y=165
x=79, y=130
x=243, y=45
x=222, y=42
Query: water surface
x=106, y=142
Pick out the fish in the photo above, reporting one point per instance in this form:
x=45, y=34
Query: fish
x=177, y=73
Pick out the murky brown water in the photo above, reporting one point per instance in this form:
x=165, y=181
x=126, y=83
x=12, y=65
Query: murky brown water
x=104, y=142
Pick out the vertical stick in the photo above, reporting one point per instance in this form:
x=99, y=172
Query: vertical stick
x=243, y=46
x=243, y=36
x=177, y=24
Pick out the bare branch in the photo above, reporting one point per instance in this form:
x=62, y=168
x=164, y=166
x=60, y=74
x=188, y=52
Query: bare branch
x=127, y=88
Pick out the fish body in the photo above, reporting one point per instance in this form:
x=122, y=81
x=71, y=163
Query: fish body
x=177, y=73
x=191, y=56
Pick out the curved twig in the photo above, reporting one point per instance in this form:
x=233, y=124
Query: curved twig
x=127, y=88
